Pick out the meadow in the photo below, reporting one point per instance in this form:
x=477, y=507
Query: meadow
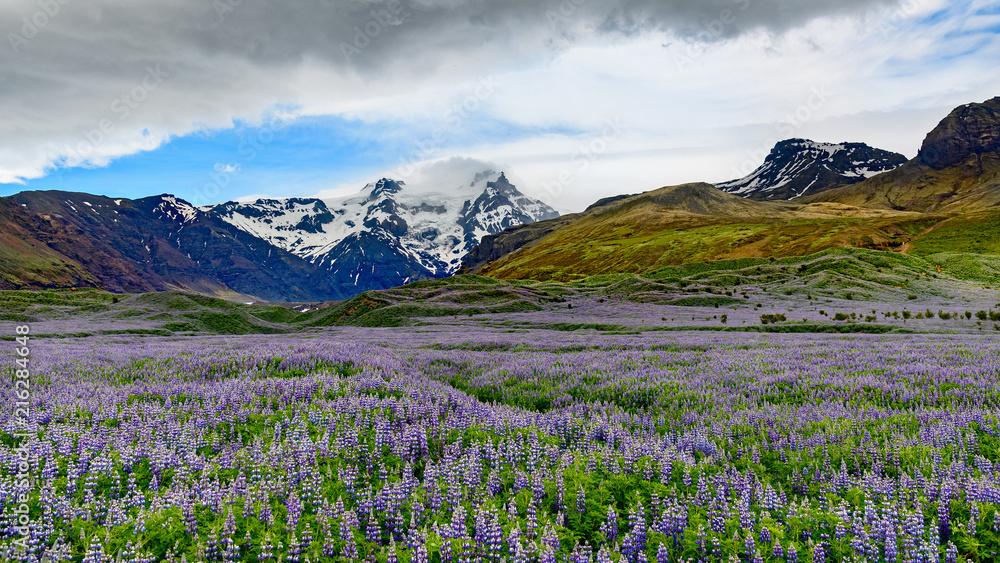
x=457, y=443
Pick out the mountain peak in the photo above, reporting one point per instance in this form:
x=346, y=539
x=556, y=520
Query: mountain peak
x=969, y=130
x=383, y=187
x=795, y=166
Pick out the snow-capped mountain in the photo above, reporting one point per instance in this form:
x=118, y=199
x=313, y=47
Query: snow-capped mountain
x=385, y=236
x=797, y=166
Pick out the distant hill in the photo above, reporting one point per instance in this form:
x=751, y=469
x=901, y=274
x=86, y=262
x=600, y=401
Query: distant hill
x=157, y=243
x=682, y=224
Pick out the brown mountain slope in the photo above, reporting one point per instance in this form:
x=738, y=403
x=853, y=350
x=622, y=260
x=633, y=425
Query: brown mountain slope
x=29, y=257
x=691, y=201
x=956, y=170
x=54, y=239
x=691, y=223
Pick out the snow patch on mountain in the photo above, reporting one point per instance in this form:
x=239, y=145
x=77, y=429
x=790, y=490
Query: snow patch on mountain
x=176, y=209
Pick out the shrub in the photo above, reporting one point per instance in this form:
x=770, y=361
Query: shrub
x=724, y=318
x=840, y=317
x=849, y=296
x=907, y=314
x=981, y=315
x=911, y=297
x=944, y=315
x=968, y=314
x=772, y=318
x=929, y=314
x=995, y=315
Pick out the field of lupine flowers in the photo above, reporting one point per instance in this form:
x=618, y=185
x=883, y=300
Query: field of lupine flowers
x=454, y=445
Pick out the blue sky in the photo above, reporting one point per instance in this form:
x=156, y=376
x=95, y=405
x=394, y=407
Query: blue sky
x=295, y=159
x=298, y=157
x=693, y=90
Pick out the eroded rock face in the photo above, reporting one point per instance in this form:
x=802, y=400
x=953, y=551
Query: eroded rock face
x=969, y=130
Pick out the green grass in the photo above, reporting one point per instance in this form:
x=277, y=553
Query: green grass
x=276, y=314
x=346, y=312
x=977, y=233
x=594, y=246
x=968, y=266
x=230, y=323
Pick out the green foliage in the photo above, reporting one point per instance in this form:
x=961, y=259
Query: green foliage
x=276, y=314
x=772, y=318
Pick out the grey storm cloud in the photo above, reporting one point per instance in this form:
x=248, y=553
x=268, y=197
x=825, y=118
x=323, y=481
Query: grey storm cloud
x=75, y=74
x=272, y=32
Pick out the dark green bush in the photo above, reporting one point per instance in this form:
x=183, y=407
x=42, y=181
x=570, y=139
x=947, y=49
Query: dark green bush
x=772, y=318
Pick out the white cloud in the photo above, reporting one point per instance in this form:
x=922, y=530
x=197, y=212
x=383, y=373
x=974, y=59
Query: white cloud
x=227, y=168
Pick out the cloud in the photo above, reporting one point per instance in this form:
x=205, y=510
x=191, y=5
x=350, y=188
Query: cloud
x=227, y=168
x=87, y=82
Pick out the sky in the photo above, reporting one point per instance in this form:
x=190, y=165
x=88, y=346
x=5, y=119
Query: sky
x=217, y=100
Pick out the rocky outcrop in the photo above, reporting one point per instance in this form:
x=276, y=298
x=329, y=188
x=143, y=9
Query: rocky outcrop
x=972, y=130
